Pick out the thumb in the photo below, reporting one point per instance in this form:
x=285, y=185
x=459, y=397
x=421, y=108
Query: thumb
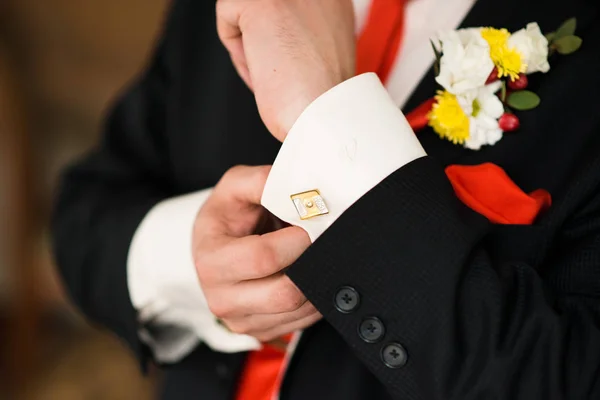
x=234, y=209
x=287, y=244
x=243, y=184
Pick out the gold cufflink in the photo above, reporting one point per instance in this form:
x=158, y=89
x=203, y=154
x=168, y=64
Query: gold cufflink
x=309, y=204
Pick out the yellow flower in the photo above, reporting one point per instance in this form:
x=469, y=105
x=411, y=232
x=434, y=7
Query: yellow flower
x=507, y=60
x=448, y=119
x=496, y=38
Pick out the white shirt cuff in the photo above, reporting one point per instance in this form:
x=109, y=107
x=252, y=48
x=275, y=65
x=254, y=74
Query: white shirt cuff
x=345, y=143
x=164, y=287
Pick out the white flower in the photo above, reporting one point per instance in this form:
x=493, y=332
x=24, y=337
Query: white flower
x=466, y=63
x=484, y=109
x=533, y=46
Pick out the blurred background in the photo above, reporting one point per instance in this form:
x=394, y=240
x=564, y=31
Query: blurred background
x=62, y=63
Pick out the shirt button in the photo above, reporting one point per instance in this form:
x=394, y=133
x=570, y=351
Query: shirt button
x=347, y=299
x=371, y=330
x=393, y=355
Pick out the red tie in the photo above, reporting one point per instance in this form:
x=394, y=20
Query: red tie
x=263, y=372
x=380, y=41
x=485, y=188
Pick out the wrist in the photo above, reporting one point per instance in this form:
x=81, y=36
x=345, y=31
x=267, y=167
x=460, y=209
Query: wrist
x=301, y=99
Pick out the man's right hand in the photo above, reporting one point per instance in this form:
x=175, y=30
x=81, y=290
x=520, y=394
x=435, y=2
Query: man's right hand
x=241, y=272
x=289, y=52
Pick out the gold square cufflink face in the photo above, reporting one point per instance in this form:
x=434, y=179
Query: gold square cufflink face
x=309, y=204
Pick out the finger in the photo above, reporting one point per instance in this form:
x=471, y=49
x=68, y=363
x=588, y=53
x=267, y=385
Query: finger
x=288, y=244
x=228, y=19
x=242, y=69
x=264, y=322
x=233, y=209
x=272, y=295
x=228, y=16
x=276, y=332
x=270, y=223
x=243, y=184
x=254, y=257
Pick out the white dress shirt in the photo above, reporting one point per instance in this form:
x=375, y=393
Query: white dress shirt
x=362, y=138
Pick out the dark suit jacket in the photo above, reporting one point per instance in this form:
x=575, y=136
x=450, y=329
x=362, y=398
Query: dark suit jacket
x=482, y=311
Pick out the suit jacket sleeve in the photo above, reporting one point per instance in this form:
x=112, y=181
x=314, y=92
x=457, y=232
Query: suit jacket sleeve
x=473, y=324
x=103, y=198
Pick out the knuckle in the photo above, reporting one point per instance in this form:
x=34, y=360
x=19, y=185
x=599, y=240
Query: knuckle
x=201, y=272
x=241, y=178
x=259, y=259
x=206, y=274
x=264, y=259
x=262, y=173
x=200, y=262
x=265, y=337
x=289, y=297
x=241, y=328
x=252, y=260
x=234, y=172
x=219, y=308
x=258, y=174
x=308, y=309
x=231, y=175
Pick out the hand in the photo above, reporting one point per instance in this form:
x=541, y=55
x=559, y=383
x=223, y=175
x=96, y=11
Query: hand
x=241, y=272
x=288, y=52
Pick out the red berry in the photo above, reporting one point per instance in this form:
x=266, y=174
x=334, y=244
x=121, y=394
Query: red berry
x=520, y=83
x=493, y=76
x=509, y=122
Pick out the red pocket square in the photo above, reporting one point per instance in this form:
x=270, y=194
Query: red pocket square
x=487, y=189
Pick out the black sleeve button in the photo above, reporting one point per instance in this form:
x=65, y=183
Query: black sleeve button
x=347, y=299
x=393, y=355
x=371, y=330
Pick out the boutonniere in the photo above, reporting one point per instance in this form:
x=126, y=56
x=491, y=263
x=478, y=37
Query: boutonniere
x=483, y=77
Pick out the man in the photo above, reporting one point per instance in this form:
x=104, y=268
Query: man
x=405, y=292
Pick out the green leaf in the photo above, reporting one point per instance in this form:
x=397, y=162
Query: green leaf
x=438, y=56
x=550, y=36
x=503, y=92
x=438, y=53
x=566, y=29
x=568, y=44
x=523, y=100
